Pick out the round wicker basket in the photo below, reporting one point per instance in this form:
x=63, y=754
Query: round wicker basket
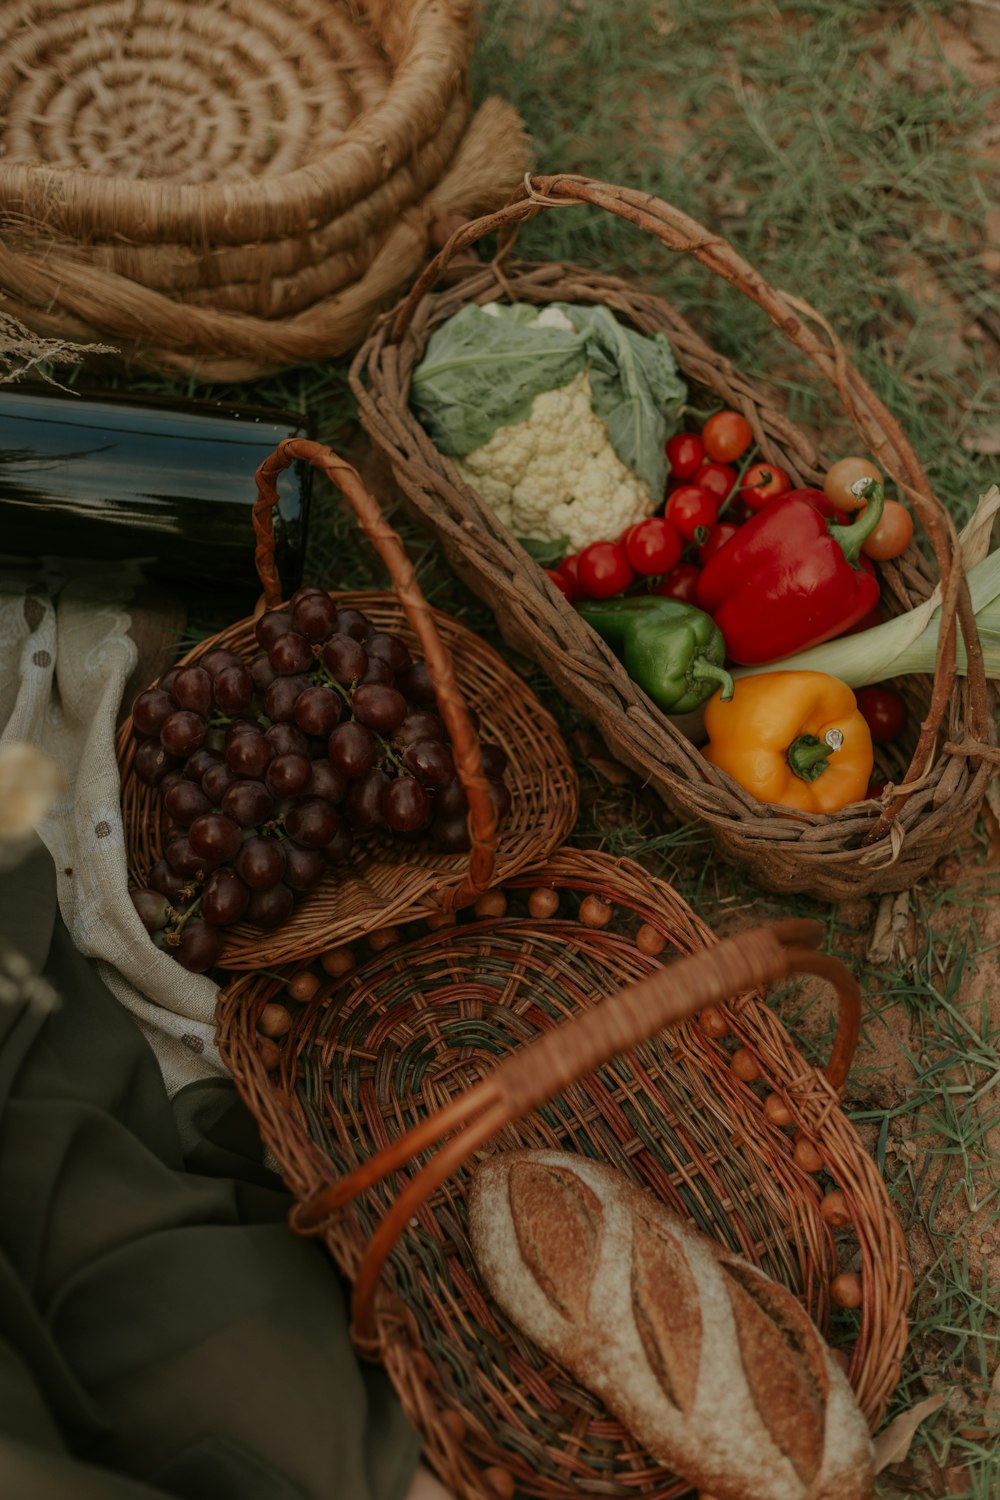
x=387, y=881
x=230, y=187
x=513, y=1030
x=938, y=776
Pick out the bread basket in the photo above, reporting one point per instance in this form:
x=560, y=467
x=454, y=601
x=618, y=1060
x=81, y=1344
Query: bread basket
x=511, y=1030
x=939, y=775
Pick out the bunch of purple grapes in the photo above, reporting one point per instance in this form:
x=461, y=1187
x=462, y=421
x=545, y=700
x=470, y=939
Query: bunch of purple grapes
x=269, y=769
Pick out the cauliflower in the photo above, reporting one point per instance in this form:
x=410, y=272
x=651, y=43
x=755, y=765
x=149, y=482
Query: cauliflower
x=556, y=474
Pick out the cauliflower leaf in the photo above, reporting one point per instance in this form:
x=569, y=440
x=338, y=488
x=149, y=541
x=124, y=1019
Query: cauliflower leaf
x=557, y=417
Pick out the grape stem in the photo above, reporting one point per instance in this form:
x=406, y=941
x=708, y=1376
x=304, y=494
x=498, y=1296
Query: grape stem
x=324, y=679
x=185, y=916
x=388, y=756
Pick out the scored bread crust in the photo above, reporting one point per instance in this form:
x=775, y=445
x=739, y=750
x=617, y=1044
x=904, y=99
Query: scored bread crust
x=714, y=1367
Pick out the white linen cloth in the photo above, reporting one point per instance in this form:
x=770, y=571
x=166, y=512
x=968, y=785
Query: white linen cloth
x=64, y=666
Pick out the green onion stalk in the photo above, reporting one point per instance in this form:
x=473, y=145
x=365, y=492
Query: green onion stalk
x=909, y=642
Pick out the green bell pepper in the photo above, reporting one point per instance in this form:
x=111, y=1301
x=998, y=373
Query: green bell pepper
x=672, y=650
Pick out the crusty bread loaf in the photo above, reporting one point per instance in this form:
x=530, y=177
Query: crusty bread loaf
x=714, y=1367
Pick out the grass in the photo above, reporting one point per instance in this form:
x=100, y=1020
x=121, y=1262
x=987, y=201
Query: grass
x=836, y=147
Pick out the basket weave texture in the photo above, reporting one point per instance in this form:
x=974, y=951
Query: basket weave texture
x=939, y=776
x=386, y=881
x=434, y=1024
x=237, y=185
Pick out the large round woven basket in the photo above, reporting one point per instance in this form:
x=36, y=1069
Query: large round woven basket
x=232, y=186
x=509, y=1031
x=386, y=880
x=938, y=776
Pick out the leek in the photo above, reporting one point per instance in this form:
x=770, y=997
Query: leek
x=909, y=642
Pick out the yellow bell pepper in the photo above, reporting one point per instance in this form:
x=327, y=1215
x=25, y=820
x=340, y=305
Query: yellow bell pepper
x=794, y=739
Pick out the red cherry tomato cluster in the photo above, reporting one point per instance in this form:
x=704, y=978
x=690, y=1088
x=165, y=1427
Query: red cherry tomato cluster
x=717, y=481
x=710, y=491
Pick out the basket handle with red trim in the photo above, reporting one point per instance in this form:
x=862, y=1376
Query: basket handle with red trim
x=797, y=320
x=464, y=739
x=533, y=1074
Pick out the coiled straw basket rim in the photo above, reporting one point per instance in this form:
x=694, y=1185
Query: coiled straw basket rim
x=452, y=1042
x=230, y=188
x=866, y=847
x=540, y=775
x=430, y=44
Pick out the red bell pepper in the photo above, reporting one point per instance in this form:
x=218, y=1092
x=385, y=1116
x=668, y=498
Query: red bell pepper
x=790, y=578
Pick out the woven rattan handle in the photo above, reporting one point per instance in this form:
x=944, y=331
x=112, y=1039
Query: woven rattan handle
x=533, y=1074
x=809, y=332
x=464, y=739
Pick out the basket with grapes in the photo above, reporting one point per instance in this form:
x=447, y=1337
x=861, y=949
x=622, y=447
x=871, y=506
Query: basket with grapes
x=339, y=762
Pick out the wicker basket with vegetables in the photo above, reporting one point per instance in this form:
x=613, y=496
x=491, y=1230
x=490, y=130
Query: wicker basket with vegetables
x=539, y=418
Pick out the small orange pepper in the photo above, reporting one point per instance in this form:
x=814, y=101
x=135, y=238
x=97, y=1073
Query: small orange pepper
x=794, y=739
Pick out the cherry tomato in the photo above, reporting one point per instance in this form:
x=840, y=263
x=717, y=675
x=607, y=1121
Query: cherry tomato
x=761, y=483
x=693, y=511
x=685, y=454
x=604, y=570
x=717, y=479
x=565, y=584
x=883, y=710
x=844, y=473
x=654, y=546
x=680, y=583
x=717, y=539
x=892, y=535
x=726, y=436
x=570, y=569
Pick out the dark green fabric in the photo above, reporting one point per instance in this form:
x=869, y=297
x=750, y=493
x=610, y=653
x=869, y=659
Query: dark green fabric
x=161, y=1330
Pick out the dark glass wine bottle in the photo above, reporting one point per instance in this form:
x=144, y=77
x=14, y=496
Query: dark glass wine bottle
x=170, y=483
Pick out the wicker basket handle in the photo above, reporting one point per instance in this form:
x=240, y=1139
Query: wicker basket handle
x=799, y=322
x=533, y=1074
x=464, y=739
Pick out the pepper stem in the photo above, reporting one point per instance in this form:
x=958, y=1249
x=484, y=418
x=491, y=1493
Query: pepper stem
x=807, y=757
x=851, y=538
x=702, y=670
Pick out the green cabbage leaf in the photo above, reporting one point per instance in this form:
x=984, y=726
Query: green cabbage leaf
x=482, y=370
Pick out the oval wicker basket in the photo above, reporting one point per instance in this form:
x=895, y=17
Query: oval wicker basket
x=938, y=777
x=386, y=881
x=506, y=1026
x=238, y=185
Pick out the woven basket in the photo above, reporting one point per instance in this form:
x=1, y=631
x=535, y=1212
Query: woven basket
x=385, y=880
x=939, y=775
x=234, y=186
x=498, y=1023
